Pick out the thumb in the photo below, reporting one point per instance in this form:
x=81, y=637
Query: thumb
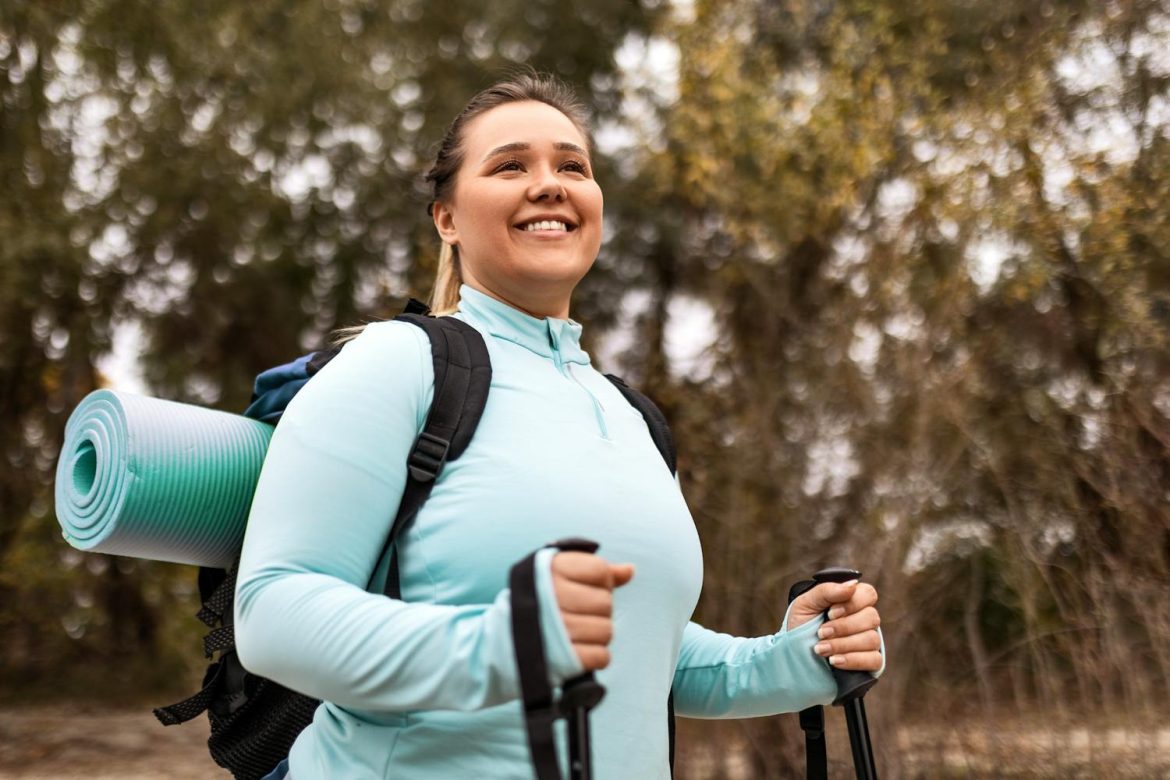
x=621, y=573
x=825, y=595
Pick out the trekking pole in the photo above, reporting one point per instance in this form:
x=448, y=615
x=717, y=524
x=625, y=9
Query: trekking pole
x=851, y=689
x=541, y=709
x=578, y=696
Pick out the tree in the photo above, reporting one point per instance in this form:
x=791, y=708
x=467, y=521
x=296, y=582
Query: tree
x=929, y=237
x=238, y=180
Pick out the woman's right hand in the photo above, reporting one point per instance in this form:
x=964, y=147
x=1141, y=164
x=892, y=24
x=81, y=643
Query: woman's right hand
x=584, y=585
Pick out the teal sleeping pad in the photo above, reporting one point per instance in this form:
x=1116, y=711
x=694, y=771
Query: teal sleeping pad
x=157, y=479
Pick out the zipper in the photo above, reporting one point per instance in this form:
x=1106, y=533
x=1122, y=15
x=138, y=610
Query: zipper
x=598, y=409
x=565, y=370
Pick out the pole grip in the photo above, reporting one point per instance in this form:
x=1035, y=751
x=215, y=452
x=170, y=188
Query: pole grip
x=850, y=684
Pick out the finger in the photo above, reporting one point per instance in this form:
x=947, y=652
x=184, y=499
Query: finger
x=582, y=567
x=864, y=595
x=861, y=662
x=621, y=573
x=856, y=623
x=868, y=640
x=592, y=657
x=590, y=629
x=816, y=600
x=582, y=599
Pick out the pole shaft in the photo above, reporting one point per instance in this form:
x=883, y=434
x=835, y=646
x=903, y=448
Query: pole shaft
x=580, y=766
x=858, y=727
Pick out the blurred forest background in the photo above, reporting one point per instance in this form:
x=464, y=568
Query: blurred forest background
x=899, y=272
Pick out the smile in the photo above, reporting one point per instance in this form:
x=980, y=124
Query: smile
x=546, y=224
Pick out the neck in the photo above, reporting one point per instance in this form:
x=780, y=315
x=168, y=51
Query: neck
x=530, y=301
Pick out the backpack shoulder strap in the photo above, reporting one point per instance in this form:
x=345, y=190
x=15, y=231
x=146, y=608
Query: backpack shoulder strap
x=655, y=420
x=463, y=375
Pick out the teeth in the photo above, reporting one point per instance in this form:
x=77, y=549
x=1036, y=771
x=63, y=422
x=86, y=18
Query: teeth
x=546, y=225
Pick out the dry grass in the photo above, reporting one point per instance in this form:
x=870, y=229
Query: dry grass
x=973, y=749
x=60, y=743
x=1035, y=748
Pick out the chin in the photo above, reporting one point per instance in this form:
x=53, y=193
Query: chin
x=554, y=272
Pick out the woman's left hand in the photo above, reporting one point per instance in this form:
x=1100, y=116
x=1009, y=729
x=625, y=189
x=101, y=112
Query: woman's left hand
x=849, y=638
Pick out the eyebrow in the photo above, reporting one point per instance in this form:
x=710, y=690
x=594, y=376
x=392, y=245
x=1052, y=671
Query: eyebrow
x=520, y=146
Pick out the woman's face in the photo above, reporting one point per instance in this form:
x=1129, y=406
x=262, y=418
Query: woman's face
x=524, y=162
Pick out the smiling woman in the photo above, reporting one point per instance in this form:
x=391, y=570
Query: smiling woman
x=516, y=204
x=525, y=212
x=426, y=684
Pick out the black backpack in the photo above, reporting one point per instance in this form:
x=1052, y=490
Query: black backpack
x=254, y=720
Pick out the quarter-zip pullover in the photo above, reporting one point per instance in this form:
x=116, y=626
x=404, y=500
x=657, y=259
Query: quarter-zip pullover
x=426, y=687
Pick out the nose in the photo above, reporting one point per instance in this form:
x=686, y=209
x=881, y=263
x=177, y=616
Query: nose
x=546, y=185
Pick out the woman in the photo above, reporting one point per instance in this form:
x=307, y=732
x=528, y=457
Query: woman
x=426, y=687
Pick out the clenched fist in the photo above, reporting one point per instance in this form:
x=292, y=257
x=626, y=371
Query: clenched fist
x=584, y=585
x=849, y=638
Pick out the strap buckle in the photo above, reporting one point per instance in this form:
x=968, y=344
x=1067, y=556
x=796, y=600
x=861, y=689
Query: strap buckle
x=428, y=456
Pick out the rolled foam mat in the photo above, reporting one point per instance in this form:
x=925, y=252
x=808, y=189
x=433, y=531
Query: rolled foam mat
x=157, y=479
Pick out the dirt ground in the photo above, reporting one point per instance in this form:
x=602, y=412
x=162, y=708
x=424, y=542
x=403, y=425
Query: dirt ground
x=61, y=743
x=54, y=743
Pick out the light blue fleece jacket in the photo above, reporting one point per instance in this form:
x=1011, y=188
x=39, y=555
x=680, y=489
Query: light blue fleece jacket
x=427, y=687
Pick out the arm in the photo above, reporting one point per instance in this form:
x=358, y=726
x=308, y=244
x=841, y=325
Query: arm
x=329, y=490
x=723, y=676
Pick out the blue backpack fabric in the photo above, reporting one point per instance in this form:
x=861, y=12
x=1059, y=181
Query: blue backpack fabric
x=274, y=388
x=254, y=721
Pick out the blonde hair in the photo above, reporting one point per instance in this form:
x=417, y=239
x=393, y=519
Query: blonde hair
x=526, y=84
x=448, y=277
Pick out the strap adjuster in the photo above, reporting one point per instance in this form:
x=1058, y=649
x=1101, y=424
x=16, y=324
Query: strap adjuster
x=428, y=456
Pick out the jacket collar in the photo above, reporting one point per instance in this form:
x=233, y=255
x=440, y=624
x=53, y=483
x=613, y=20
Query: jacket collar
x=548, y=337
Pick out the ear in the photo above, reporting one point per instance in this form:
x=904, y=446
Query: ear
x=444, y=222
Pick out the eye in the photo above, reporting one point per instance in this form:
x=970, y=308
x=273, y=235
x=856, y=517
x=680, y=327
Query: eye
x=508, y=165
x=577, y=166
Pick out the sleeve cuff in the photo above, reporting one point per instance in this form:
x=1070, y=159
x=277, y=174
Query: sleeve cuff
x=563, y=663
x=818, y=621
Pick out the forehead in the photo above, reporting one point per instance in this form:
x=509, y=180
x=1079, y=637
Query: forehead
x=528, y=121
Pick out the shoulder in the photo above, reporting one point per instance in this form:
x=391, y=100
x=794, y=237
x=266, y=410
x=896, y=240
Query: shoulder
x=387, y=360
x=390, y=338
x=384, y=350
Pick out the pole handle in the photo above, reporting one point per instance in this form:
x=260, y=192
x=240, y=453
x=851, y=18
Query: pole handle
x=850, y=684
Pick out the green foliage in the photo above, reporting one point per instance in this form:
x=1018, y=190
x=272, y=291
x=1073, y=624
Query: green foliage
x=238, y=180
x=77, y=620
x=932, y=236
x=928, y=232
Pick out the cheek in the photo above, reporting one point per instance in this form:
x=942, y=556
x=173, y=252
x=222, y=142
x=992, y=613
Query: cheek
x=597, y=208
x=490, y=214
x=484, y=208
x=596, y=198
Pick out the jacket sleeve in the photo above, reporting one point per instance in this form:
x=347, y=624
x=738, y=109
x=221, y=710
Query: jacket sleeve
x=723, y=676
x=328, y=492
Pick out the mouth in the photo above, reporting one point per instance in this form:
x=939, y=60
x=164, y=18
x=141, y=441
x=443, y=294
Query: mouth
x=546, y=226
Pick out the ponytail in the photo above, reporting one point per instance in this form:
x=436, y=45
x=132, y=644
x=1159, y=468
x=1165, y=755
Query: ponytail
x=448, y=277
x=444, y=296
